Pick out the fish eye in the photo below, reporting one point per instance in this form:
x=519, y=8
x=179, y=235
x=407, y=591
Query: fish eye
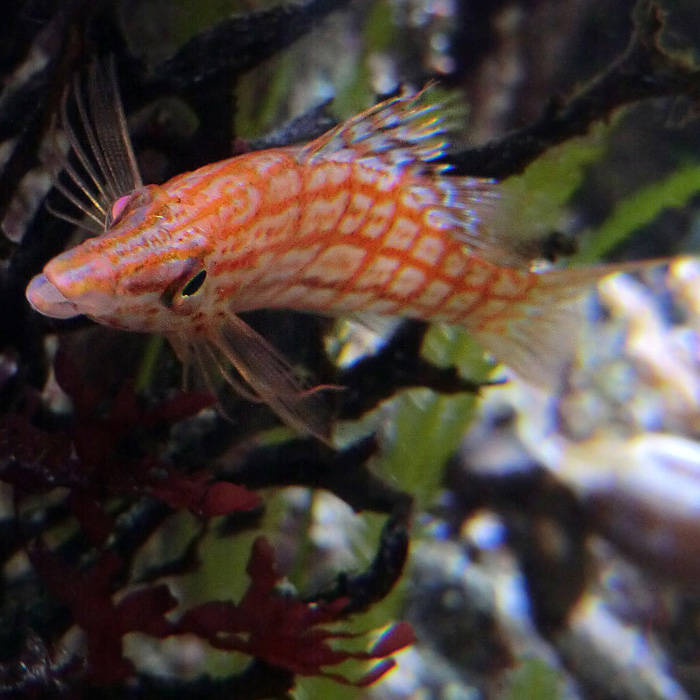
x=180, y=296
x=194, y=284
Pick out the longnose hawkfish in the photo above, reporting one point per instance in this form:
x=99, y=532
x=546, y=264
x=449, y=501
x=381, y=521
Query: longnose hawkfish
x=364, y=219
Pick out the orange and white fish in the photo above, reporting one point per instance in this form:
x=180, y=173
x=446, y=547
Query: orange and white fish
x=362, y=220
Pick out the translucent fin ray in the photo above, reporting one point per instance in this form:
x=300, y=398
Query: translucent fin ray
x=400, y=131
x=265, y=375
x=212, y=361
x=271, y=377
x=76, y=202
x=111, y=130
x=538, y=336
x=107, y=158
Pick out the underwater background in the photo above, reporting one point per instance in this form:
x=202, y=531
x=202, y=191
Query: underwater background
x=466, y=535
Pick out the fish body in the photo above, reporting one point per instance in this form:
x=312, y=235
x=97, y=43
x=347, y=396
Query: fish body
x=363, y=220
x=334, y=238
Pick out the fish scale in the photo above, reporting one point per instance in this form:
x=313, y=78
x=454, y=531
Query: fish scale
x=363, y=220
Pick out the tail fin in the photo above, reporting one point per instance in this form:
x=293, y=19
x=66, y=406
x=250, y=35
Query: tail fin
x=537, y=337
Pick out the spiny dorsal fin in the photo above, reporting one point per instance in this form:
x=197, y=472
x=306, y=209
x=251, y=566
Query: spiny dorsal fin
x=407, y=132
x=105, y=166
x=411, y=134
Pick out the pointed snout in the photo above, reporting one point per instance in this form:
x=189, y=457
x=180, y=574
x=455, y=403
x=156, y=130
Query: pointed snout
x=47, y=300
x=68, y=287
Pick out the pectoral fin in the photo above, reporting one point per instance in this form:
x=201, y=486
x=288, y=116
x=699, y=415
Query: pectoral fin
x=249, y=365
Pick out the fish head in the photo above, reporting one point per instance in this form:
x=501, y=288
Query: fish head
x=145, y=272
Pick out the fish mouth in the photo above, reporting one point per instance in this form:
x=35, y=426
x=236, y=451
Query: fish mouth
x=65, y=288
x=45, y=297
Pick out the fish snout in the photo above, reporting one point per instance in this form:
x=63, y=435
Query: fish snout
x=47, y=300
x=67, y=289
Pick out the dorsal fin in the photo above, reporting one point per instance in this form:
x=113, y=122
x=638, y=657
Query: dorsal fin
x=407, y=132
x=471, y=208
x=410, y=133
x=104, y=166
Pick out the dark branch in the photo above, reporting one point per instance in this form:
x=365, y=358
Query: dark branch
x=368, y=587
x=241, y=42
x=644, y=71
x=398, y=365
x=310, y=463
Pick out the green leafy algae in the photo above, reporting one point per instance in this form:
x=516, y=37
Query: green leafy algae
x=638, y=210
x=532, y=680
x=533, y=201
x=428, y=427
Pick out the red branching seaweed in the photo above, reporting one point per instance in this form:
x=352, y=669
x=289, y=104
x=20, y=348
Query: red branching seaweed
x=204, y=497
x=109, y=455
x=283, y=630
x=87, y=458
x=89, y=597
